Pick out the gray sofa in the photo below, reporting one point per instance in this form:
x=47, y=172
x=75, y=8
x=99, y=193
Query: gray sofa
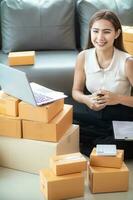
x=57, y=30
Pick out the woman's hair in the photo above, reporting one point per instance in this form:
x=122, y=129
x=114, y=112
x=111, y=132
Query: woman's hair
x=110, y=16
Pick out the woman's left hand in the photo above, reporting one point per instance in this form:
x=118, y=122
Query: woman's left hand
x=108, y=98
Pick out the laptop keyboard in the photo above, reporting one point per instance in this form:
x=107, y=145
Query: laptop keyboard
x=40, y=98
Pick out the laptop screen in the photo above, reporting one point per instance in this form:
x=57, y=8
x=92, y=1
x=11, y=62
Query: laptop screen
x=14, y=82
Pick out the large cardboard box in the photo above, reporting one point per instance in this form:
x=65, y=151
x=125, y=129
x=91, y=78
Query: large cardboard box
x=61, y=187
x=107, y=161
x=51, y=131
x=10, y=126
x=31, y=155
x=128, y=38
x=8, y=104
x=68, y=163
x=43, y=113
x=108, y=179
x=21, y=58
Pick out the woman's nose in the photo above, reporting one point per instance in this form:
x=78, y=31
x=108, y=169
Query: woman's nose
x=100, y=36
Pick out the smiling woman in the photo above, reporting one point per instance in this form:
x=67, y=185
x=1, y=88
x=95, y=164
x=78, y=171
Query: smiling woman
x=106, y=70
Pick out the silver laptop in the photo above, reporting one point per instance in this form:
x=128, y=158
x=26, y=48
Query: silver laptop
x=14, y=82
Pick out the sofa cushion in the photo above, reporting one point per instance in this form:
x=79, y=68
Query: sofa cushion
x=86, y=8
x=0, y=23
x=37, y=25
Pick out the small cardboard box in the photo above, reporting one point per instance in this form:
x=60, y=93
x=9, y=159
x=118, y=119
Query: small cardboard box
x=108, y=179
x=128, y=38
x=32, y=155
x=68, y=163
x=61, y=187
x=51, y=131
x=107, y=161
x=43, y=113
x=21, y=58
x=8, y=105
x=10, y=126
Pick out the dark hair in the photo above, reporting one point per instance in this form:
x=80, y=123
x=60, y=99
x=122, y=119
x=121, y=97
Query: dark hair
x=112, y=17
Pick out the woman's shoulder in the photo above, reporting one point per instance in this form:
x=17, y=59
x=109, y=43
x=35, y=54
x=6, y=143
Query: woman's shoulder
x=86, y=52
x=126, y=59
x=129, y=61
x=123, y=53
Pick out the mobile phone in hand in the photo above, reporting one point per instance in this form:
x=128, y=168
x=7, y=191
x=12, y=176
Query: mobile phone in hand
x=99, y=95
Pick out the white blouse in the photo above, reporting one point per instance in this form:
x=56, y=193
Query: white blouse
x=113, y=78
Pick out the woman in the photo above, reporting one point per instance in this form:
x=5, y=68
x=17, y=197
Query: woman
x=106, y=70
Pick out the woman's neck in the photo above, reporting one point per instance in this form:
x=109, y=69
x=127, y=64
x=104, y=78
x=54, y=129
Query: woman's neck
x=104, y=58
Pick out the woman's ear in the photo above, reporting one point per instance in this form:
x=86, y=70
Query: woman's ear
x=117, y=33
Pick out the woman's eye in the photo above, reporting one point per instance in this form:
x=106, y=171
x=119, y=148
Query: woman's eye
x=106, y=32
x=95, y=31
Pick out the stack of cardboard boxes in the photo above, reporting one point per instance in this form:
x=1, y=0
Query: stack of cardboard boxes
x=47, y=123
x=128, y=38
x=65, y=178
x=108, y=173
x=10, y=123
x=34, y=133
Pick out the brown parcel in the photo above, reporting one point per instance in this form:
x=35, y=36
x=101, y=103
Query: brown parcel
x=68, y=163
x=21, y=58
x=10, y=126
x=43, y=113
x=108, y=179
x=128, y=38
x=61, y=187
x=8, y=105
x=107, y=161
x=51, y=131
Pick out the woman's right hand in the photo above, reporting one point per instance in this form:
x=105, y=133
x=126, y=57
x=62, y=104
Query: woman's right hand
x=91, y=102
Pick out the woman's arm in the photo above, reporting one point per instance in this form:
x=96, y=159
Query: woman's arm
x=79, y=79
x=79, y=85
x=110, y=98
x=128, y=100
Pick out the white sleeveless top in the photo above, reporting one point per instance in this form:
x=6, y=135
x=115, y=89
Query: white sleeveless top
x=112, y=78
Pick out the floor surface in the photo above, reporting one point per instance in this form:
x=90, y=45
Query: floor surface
x=16, y=185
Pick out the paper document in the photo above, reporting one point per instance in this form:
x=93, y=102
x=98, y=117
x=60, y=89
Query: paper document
x=123, y=130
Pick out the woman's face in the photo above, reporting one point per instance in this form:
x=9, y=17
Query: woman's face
x=103, y=34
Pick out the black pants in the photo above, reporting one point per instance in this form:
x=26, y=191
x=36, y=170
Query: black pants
x=96, y=126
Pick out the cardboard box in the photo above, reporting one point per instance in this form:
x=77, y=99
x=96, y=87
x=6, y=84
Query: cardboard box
x=51, y=131
x=61, y=187
x=31, y=155
x=21, y=58
x=8, y=104
x=107, y=161
x=43, y=113
x=68, y=163
x=10, y=126
x=128, y=38
x=108, y=179
x=129, y=47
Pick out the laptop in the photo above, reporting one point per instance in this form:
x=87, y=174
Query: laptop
x=123, y=130
x=15, y=82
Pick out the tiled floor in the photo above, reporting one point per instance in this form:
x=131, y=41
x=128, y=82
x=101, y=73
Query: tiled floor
x=16, y=185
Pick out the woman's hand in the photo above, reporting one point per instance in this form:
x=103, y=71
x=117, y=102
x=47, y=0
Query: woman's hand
x=92, y=103
x=107, y=97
